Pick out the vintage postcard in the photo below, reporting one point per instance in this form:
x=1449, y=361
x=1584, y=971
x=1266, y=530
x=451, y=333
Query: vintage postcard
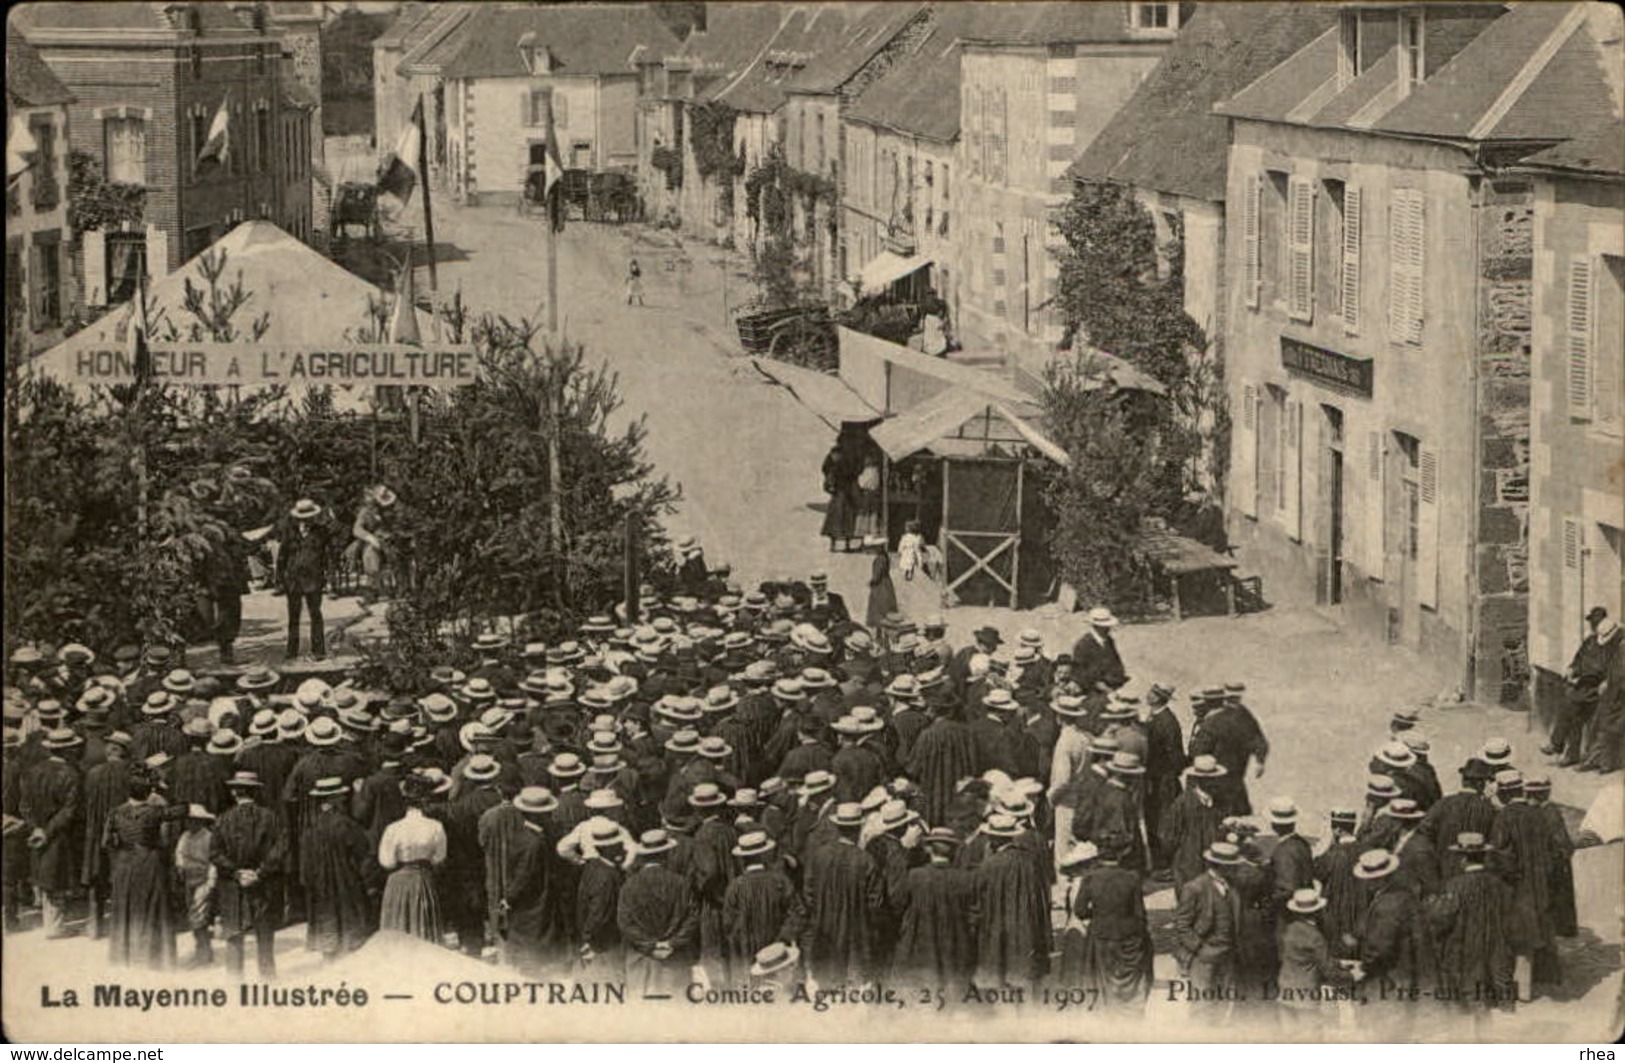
x=826, y=521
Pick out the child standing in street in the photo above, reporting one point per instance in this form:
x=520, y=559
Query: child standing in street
x=634, y=283
x=908, y=549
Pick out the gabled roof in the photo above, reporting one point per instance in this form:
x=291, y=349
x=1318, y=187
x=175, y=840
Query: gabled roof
x=1532, y=74
x=428, y=43
x=865, y=36
x=1586, y=82
x=808, y=31
x=919, y=95
x=583, y=39
x=29, y=82
x=1167, y=137
x=215, y=19
x=408, y=15
x=735, y=33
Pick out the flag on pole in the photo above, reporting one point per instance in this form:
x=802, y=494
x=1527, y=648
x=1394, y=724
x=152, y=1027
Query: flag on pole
x=20, y=144
x=398, y=174
x=217, y=146
x=403, y=323
x=553, y=174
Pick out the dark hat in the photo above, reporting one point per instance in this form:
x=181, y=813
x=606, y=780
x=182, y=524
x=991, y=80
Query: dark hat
x=989, y=635
x=1596, y=613
x=1477, y=768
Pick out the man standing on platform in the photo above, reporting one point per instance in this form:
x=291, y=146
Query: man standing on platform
x=301, y=571
x=1096, y=664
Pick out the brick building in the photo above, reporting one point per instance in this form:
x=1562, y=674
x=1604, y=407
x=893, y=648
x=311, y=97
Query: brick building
x=148, y=80
x=38, y=277
x=1377, y=324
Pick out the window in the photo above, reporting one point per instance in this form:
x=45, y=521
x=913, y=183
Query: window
x=1411, y=58
x=125, y=147
x=196, y=241
x=126, y=262
x=46, y=190
x=561, y=109
x=1272, y=235
x=45, y=274
x=1146, y=16
x=1410, y=453
x=1406, y=262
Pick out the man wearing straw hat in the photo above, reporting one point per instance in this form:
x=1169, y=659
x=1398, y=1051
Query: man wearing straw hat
x=305, y=534
x=1307, y=967
x=530, y=903
x=1205, y=928
x=249, y=852
x=760, y=907
x=1475, y=919
x=51, y=806
x=659, y=919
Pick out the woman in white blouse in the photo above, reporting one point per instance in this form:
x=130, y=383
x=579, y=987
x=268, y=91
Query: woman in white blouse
x=410, y=849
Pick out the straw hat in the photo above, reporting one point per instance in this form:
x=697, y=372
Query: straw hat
x=1376, y=863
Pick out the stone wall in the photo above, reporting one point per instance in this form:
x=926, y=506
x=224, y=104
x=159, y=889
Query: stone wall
x=1501, y=571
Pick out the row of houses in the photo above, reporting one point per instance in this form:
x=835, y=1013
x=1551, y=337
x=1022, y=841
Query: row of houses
x=135, y=88
x=1400, y=228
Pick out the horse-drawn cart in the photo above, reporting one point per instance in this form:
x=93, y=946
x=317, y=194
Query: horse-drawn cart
x=356, y=203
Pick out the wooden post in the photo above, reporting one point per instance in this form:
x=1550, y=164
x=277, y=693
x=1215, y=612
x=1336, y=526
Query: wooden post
x=550, y=238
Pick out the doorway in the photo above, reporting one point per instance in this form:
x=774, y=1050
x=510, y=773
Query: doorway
x=1329, y=569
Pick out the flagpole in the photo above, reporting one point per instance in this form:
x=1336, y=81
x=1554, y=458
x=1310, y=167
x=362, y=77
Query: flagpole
x=428, y=212
x=551, y=244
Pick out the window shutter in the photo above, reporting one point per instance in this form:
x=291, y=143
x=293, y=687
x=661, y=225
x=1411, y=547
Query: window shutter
x=1427, y=552
x=1251, y=262
x=1292, y=470
x=1301, y=247
x=1573, y=586
x=1406, y=229
x=1351, y=261
x=1376, y=558
x=1580, y=338
x=1244, y=469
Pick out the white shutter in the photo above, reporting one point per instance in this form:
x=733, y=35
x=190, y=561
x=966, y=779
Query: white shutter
x=1244, y=467
x=1573, y=586
x=1252, y=263
x=1406, y=235
x=1291, y=472
x=1427, y=528
x=1301, y=247
x=1351, y=260
x=1580, y=333
x=1375, y=501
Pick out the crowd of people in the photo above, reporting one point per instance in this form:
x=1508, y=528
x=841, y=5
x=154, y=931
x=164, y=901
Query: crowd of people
x=741, y=787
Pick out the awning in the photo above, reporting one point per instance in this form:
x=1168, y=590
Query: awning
x=826, y=396
x=879, y=273
x=940, y=419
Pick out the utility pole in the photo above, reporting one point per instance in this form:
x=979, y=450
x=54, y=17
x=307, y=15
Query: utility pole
x=428, y=211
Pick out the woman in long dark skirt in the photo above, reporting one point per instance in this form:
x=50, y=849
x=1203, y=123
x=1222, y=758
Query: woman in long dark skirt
x=141, y=912
x=882, y=593
x=1116, y=956
x=410, y=850
x=840, y=481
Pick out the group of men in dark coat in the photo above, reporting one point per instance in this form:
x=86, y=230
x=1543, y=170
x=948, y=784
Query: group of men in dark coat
x=749, y=784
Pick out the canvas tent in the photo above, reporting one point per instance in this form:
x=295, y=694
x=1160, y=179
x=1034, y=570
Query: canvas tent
x=967, y=454
x=311, y=301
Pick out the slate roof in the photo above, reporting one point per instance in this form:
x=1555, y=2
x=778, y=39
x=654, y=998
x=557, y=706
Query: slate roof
x=1536, y=73
x=215, y=19
x=808, y=31
x=1167, y=137
x=428, y=42
x=583, y=38
x=866, y=35
x=919, y=95
x=29, y=82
